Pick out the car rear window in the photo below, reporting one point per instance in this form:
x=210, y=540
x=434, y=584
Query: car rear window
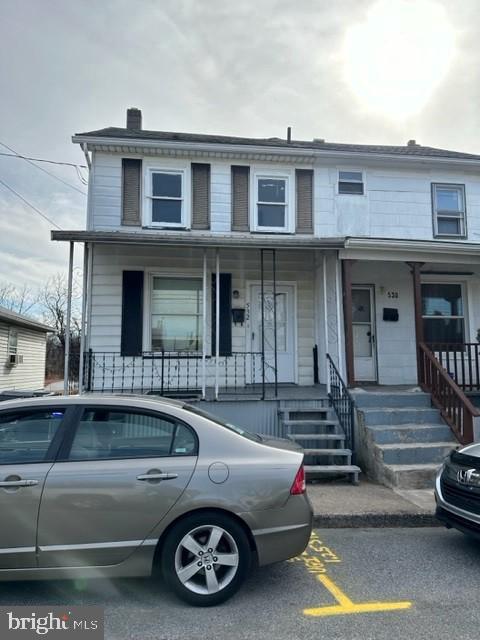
x=223, y=423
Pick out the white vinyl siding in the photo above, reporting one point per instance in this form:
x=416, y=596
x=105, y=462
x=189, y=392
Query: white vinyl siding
x=108, y=263
x=31, y=345
x=397, y=201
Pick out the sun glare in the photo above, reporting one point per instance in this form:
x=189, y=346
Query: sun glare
x=396, y=58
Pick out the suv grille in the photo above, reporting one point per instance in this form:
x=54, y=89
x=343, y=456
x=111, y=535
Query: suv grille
x=461, y=497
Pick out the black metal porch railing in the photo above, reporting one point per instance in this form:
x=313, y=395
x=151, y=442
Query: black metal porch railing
x=172, y=373
x=343, y=404
x=461, y=361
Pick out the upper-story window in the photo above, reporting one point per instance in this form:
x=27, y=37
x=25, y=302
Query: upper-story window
x=166, y=195
x=449, y=210
x=272, y=207
x=350, y=183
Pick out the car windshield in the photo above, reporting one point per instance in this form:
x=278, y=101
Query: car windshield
x=223, y=423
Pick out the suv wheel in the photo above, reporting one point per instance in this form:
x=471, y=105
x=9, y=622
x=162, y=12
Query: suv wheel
x=205, y=558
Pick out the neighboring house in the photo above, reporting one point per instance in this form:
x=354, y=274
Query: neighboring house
x=23, y=344
x=369, y=251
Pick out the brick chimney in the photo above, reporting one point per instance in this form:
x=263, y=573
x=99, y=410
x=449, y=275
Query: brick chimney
x=134, y=119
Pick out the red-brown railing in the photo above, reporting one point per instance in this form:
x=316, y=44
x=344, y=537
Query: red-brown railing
x=455, y=408
x=462, y=362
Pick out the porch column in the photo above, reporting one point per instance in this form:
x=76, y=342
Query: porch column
x=204, y=325
x=325, y=318
x=417, y=302
x=348, y=319
x=67, y=323
x=217, y=318
x=83, y=324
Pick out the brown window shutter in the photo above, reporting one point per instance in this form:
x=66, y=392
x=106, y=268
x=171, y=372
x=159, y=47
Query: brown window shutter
x=200, y=196
x=131, y=192
x=240, y=180
x=304, y=184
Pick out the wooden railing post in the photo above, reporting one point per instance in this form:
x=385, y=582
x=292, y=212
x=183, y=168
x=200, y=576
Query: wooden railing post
x=417, y=303
x=454, y=406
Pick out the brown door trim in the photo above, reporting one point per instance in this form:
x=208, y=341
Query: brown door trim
x=348, y=319
x=417, y=303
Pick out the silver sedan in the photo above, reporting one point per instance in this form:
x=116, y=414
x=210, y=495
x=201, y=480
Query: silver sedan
x=99, y=486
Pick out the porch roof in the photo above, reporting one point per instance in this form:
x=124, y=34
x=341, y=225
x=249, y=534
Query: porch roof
x=194, y=239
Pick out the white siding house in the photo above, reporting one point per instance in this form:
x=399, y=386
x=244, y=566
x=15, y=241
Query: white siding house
x=22, y=352
x=242, y=269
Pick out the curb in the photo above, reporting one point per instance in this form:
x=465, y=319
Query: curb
x=375, y=520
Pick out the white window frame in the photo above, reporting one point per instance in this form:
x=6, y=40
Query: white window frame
x=147, y=323
x=362, y=181
x=266, y=173
x=463, y=289
x=12, y=350
x=185, y=173
x=462, y=217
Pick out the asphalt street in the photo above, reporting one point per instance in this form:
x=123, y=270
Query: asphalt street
x=350, y=584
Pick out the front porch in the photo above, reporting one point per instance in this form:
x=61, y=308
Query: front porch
x=212, y=322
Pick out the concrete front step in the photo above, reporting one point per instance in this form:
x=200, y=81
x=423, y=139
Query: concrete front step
x=313, y=425
x=319, y=470
x=410, y=433
x=410, y=476
x=317, y=436
x=400, y=399
x=307, y=414
x=327, y=452
x=413, y=453
x=396, y=416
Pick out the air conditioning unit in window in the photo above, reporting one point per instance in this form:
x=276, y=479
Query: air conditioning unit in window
x=14, y=359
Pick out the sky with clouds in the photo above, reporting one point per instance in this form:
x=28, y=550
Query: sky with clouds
x=218, y=66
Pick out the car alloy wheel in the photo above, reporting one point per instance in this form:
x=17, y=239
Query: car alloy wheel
x=205, y=557
x=206, y=560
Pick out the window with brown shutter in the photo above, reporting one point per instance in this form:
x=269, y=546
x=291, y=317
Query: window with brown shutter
x=240, y=191
x=131, y=191
x=304, y=183
x=200, y=196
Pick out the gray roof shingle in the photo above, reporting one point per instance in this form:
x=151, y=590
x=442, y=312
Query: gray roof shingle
x=309, y=145
x=11, y=317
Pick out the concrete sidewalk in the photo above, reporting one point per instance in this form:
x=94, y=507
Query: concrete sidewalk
x=338, y=504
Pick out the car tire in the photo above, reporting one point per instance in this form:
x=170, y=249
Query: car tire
x=200, y=573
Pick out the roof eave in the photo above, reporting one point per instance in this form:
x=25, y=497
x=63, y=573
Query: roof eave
x=199, y=241
x=206, y=148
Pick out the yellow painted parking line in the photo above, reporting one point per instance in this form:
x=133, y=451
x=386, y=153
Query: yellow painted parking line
x=316, y=563
x=346, y=606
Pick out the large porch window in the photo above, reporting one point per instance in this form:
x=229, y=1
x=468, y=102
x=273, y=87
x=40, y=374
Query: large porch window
x=176, y=314
x=443, y=313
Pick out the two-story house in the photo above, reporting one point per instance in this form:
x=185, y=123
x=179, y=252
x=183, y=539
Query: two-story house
x=227, y=268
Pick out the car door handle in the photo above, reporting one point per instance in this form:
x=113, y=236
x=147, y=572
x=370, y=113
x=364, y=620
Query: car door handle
x=157, y=476
x=18, y=483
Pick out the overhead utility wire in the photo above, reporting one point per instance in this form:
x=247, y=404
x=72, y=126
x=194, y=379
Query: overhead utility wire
x=66, y=164
x=52, y=175
x=40, y=213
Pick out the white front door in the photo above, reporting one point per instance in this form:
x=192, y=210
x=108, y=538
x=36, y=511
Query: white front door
x=363, y=320
x=285, y=312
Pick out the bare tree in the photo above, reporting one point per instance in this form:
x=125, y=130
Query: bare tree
x=53, y=303
x=20, y=299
